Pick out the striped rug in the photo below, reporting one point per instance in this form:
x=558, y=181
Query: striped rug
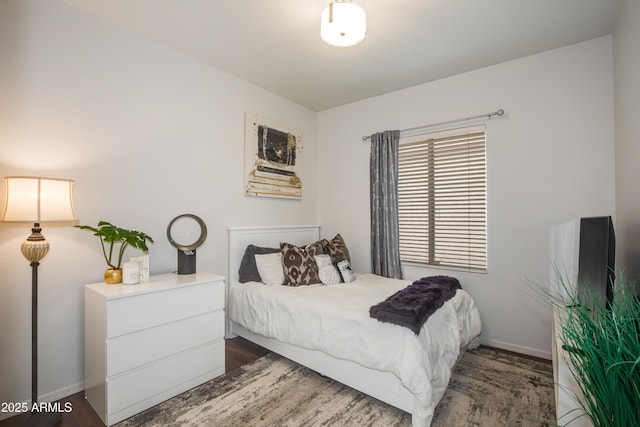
x=488, y=388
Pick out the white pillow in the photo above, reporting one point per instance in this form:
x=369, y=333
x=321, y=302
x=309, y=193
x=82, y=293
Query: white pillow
x=270, y=268
x=327, y=272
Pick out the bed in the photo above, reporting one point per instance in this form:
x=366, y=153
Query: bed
x=329, y=330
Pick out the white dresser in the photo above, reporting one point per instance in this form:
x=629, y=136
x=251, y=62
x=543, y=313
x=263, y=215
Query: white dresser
x=148, y=342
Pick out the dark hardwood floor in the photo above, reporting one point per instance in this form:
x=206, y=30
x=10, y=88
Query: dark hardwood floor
x=238, y=352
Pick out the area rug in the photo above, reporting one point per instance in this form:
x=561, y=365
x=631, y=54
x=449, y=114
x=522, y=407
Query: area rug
x=487, y=388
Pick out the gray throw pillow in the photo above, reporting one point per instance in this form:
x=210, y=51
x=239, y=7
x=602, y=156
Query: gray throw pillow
x=248, y=270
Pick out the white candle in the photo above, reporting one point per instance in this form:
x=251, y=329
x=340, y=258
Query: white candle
x=130, y=273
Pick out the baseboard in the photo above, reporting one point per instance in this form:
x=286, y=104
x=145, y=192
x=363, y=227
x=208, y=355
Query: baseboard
x=516, y=348
x=62, y=392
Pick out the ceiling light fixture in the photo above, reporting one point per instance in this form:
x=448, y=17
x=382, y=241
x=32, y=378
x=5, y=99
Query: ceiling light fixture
x=343, y=24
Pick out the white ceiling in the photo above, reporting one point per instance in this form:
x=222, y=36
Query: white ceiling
x=276, y=44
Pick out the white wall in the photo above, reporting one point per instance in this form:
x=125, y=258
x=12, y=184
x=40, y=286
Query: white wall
x=550, y=160
x=147, y=134
x=627, y=107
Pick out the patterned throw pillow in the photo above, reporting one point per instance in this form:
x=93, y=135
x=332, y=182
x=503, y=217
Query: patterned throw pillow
x=300, y=267
x=328, y=273
x=345, y=270
x=336, y=248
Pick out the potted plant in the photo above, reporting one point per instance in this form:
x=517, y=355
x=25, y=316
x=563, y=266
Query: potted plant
x=604, y=349
x=112, y=236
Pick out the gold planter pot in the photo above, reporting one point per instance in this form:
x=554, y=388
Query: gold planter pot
x=113, y=276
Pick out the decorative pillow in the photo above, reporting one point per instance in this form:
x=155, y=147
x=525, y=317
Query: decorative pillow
x=345, y=270
x=336, y=248
x=300, y=267
x=270, y=268
x=248, y=271
x=327, y=272
x=315, y=248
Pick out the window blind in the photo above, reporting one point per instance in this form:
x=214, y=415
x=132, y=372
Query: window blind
x=442, y=201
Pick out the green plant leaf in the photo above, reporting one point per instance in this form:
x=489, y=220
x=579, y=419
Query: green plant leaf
x=117, y=239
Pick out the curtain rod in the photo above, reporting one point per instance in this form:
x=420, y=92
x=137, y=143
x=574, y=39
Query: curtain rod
x=487, y=115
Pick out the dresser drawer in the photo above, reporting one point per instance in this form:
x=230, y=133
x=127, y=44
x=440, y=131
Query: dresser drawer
x=149, y=345
x=156, y=382
x=127, y=315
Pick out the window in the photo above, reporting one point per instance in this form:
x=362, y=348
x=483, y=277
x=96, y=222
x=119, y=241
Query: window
x=442, y=200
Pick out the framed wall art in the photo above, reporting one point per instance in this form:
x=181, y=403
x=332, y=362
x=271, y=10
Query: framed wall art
x=272, y=159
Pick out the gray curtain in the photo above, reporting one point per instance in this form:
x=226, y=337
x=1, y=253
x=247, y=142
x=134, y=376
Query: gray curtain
x=385, y=246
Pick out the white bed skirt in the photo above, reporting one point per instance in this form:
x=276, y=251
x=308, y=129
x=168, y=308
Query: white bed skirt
x=382, y=385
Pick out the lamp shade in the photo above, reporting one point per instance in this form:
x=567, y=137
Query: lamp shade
x=343, y=24
x=33, y=199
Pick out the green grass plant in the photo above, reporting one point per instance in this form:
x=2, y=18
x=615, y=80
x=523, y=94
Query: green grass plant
x=605, y=359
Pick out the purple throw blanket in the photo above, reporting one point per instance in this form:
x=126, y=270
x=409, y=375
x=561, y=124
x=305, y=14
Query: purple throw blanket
x=412, y=306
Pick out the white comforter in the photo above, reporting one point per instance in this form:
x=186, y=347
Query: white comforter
x=335, y=320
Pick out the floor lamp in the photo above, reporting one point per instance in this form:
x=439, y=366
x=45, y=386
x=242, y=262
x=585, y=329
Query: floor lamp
x=37, y=200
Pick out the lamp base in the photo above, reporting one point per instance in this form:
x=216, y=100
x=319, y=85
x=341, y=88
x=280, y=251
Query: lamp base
x=38, y=419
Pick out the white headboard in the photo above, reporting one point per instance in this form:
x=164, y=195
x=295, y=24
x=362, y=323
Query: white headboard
x=267, y=236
